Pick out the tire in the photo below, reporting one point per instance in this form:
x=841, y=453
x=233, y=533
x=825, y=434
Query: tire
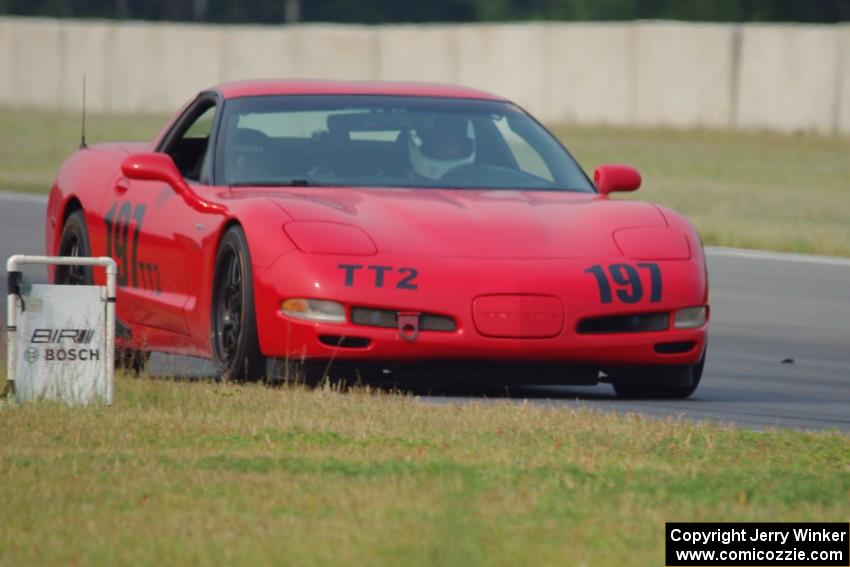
x=659, y=382
x=233, y=323
x=74, y=241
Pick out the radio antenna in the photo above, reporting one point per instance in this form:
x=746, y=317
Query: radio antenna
x=83, y=131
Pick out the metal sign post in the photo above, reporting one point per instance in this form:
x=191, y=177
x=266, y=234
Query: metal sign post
x=60, y=338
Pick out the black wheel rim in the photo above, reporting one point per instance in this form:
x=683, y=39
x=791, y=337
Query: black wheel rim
x=72, y=275
x=227, y=313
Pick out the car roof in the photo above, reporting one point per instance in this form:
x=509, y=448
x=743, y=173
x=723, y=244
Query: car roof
x=238, y=89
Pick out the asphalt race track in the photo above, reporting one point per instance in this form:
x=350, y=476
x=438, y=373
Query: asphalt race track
x=779, y=343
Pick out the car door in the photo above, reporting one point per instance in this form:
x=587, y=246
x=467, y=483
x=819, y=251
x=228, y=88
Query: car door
x=149, y=230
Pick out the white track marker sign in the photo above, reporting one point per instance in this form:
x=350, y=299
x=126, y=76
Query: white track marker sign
x=60, y=338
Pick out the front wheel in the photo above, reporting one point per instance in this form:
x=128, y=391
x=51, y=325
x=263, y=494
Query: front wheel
x=233, y=329
x=74, y=241
x=659, y=382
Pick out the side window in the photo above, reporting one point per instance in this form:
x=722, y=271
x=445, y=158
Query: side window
x=526, y=157
x=189, y=149
x=201, y=127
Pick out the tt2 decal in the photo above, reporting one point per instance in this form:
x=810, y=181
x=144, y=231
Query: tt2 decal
x=381, y=276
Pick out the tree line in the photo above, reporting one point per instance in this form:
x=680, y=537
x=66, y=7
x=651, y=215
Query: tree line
x=415, y=11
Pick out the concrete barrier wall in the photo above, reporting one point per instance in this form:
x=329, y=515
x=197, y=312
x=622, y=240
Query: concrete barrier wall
x=789, y=78
x=35, y=53
x=418, y=53
x=780, y=77
x=683, y=74
x=7, y=58
x=843, y=99
x=591, y=73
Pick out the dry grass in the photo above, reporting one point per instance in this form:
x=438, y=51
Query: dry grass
x=771, y=191
x=206, y=473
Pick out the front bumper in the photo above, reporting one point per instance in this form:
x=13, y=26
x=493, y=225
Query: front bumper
x=448, y=287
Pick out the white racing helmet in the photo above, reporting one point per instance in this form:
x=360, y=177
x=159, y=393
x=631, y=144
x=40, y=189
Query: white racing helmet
x=436, y=148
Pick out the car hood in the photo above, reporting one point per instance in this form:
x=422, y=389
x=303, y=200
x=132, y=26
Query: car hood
x=473, y=223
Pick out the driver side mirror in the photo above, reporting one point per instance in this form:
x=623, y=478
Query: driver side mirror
x=614, y=177
x=153, y=166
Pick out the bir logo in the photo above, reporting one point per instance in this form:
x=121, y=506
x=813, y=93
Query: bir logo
x=58, y=336
x=66, y=345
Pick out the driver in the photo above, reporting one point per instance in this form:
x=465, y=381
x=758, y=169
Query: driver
x=247, y=155
x=441, y=145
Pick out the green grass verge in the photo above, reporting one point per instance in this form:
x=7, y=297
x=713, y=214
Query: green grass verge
x=770, y=191
x=203, y=473
x=34, y=144
x=748, y=190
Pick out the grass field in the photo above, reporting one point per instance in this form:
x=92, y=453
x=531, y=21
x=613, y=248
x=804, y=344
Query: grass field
x=748, y=190
x=204, y=473
x=770, y=191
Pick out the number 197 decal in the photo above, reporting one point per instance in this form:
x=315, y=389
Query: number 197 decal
x=126, y=250
x=626, y=280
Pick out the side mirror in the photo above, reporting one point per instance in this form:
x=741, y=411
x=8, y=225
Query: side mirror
x=613, y=177
x=151, y=166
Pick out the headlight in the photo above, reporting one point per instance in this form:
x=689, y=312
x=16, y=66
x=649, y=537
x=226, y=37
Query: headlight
x=652, y=244
x=314, y=310
x=690, y=318
x=318, y=237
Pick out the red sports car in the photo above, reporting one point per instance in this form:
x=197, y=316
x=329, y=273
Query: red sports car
x=280, y=225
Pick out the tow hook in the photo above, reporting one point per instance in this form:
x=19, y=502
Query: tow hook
x=408, y=326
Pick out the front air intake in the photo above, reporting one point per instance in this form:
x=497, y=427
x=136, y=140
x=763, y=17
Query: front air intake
x=389, y=319
x=624, y=324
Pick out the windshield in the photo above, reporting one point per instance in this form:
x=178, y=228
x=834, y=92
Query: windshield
x=390, y=141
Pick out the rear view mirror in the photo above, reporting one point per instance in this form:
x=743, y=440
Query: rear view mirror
x=614, y=177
